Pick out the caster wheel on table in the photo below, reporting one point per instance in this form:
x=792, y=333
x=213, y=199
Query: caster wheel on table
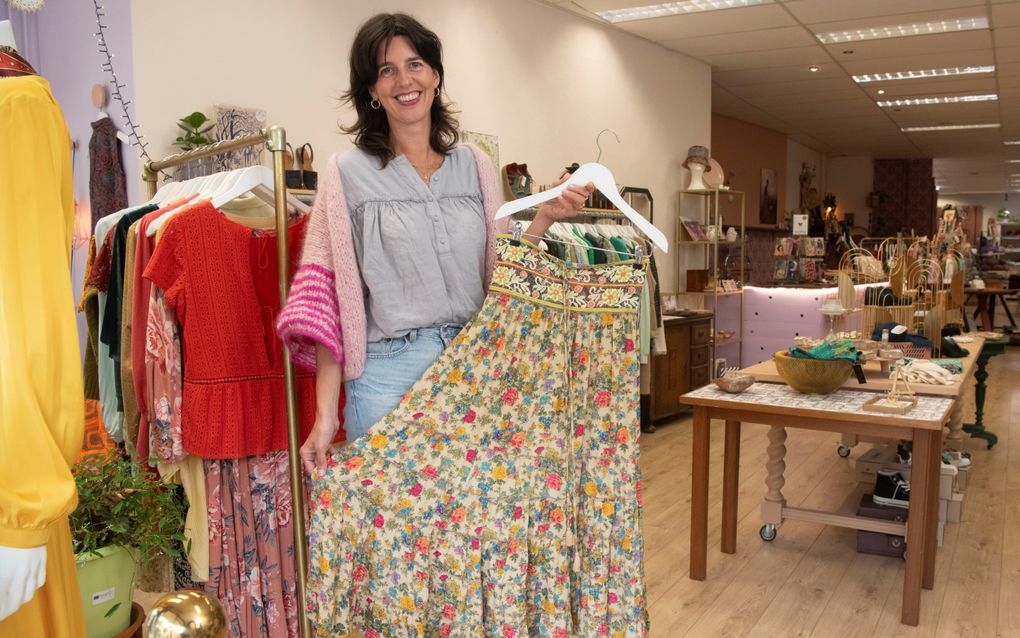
x=843, y=451
x=768, y=532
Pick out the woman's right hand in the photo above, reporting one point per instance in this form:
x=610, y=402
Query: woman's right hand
x=318, y=446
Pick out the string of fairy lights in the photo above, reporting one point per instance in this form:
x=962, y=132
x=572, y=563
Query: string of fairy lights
x=107, y=66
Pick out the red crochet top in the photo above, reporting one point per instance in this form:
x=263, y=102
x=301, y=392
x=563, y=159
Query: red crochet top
x=221, y=278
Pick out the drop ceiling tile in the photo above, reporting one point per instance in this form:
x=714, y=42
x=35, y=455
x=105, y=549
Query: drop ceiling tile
x=965, y=9
x=761, y=40
x=1008, y=54
x=944, y=114
x=784, y=79
x=918, y=62
x=710, y=23
x=814, y=11
x=1007, y=69
x=799, y=58
x=1005, y=15
x=921, y=45
x=930, y=88
x=780, y=99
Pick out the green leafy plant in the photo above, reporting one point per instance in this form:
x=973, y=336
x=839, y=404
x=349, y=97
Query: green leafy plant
x=194, y=131
x=122, y=504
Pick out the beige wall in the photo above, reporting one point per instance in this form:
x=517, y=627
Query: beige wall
x=543, y=80
x=850, y=179
x=744, y=149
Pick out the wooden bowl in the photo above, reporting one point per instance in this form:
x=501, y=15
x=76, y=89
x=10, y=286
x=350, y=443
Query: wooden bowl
x=812, y=376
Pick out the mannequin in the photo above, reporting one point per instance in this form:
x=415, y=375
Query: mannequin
x=41, y=412
x=7, y=34
x=697, y=170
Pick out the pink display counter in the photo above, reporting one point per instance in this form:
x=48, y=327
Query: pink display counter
x=774, y=316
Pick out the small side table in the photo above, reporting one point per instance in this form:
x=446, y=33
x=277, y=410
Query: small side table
x=991, y=348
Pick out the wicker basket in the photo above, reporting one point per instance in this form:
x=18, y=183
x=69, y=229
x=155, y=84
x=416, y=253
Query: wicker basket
x=812, y=376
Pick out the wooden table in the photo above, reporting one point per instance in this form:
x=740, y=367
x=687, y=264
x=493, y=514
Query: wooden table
x=841, y=411
x=986, y=304
x=877, y=381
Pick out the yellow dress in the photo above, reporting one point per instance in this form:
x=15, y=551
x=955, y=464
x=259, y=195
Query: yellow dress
x=41, y=396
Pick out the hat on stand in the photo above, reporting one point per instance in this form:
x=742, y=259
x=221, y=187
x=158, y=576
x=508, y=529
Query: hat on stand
x=696, y=155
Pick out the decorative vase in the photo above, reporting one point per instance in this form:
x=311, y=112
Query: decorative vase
x=731, y=235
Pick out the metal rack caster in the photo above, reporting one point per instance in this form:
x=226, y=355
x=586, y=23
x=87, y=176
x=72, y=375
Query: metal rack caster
x=843, y=451
x=768, y=532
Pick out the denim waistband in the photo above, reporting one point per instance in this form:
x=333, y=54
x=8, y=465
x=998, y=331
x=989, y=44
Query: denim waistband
x=444, y=331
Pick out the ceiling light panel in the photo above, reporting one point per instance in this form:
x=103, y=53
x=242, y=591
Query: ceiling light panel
x=904, y=30
x=949, y=127
x=928, y=73
x=674, y=8
x=947, y=99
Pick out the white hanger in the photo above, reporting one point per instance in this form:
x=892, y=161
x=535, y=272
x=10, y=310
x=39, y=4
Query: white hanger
x=603, y=180
x=224, y=187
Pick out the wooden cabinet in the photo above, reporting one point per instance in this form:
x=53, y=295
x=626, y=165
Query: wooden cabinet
x=687, y=365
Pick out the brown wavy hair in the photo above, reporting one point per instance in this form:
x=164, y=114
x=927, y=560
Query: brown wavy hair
x=372, y=128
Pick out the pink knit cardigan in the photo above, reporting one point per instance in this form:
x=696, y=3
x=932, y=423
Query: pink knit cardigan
x=326, y=303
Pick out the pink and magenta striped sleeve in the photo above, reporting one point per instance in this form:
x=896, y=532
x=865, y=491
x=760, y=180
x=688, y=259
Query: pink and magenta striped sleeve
x=311, y=316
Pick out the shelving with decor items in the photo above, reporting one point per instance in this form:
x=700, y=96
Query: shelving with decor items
x=711, y=269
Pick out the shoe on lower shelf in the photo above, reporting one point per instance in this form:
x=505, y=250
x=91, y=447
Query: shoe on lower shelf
x=891, y=489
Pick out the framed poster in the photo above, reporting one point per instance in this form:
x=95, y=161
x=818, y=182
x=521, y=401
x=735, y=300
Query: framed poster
x=769, y=201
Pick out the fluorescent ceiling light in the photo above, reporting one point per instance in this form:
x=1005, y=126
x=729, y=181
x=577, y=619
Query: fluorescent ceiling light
x=1013, y=161
x=928, y=73
x=948, y=127
x=904, y=30
x=674, y=8
x=948, y=99
x=1012, y=142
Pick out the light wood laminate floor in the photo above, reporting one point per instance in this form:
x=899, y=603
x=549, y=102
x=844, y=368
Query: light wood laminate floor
x=811, y=581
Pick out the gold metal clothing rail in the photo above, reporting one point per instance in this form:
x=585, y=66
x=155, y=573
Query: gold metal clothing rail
x=275, y=139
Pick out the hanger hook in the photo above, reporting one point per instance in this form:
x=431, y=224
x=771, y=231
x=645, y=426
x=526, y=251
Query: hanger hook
x=598, y=144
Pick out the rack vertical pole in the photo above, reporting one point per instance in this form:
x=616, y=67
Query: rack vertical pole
x=276, y=144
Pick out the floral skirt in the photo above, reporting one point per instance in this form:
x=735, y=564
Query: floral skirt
x=502, y=496
x=251, y=544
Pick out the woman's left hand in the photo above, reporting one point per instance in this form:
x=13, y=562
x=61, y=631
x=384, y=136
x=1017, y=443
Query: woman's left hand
x=565, y=205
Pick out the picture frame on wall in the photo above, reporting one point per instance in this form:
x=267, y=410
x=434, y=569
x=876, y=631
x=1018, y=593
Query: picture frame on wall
x=768, y=197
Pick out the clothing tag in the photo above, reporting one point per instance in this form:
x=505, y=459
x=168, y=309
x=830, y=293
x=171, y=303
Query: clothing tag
x=100, y=597
x=859, y=372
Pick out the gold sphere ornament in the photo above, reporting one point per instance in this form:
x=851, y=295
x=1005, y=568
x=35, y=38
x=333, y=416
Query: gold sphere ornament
x=186, y=614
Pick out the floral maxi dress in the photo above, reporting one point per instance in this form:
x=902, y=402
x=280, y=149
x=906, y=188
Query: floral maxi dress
x=502, y=496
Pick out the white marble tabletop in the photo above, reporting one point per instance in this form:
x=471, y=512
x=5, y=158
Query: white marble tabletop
x=841, y=402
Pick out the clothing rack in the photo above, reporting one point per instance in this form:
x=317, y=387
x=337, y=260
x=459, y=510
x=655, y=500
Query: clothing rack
x=275, y=139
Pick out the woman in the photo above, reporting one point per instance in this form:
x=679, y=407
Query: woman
x=401, y=242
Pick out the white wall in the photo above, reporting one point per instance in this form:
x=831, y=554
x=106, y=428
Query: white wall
x=543, y=80
x=850, y=179
x=797, y=155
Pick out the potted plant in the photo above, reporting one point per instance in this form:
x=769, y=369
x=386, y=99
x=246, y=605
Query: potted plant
x=124, y=516
x=194, y=128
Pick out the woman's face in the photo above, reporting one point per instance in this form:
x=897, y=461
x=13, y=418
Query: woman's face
x=405, y=84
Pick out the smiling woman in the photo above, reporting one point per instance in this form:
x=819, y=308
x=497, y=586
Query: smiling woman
x=402, y=240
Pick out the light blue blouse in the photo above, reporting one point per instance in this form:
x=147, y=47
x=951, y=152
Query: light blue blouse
x=421, y=249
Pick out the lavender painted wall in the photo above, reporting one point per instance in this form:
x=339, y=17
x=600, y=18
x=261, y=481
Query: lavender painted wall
x=67, y=56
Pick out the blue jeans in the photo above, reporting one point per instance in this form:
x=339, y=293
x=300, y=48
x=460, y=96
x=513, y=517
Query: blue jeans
x=391, y=368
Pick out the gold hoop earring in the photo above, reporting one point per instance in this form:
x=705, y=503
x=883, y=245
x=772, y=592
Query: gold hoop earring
x=375, y=104
x=437, y=91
